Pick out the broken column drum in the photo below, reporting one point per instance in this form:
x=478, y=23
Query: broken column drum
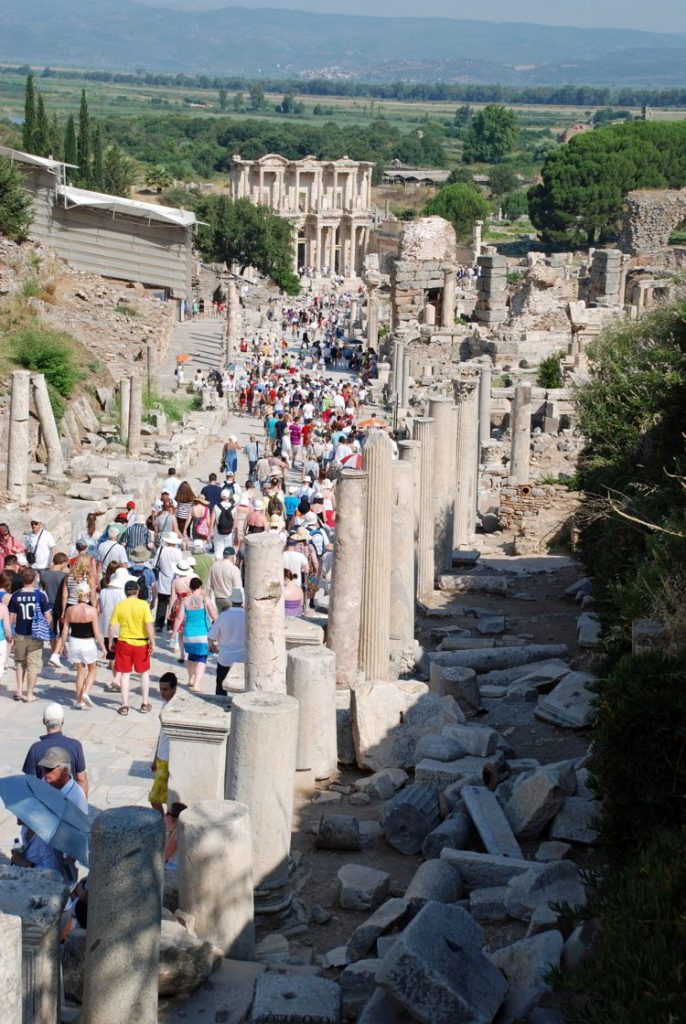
x=265, y=635
x=402, y=561
x=423, y=429
x=133, y=444
x=48, y=427
x=124, y=406
x=448, y=303
x=215, y=875
x=466, y=461
x=124, y=917
x=260, y=773
x=520, y=428
x=442, y=411
x=345, y=597
x=18, y=441
x=374, y=650
x=311, y=679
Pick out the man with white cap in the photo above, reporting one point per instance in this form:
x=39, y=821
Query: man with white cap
x=53, y=720
x=227, y=638
x=164, y=565
x=111, y=550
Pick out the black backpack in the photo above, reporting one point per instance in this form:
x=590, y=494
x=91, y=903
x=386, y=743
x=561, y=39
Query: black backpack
x=225, y=521
x=143, y=589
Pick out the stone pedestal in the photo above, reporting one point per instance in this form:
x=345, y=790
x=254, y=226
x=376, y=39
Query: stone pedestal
x=345, y=597
x=411, y=452
x=215, y=875
x=402, y=560
x=260, y=773
x=124, y=917
x=485, y=403
x=442, y=411
x=265, y=654
x=520, y=428
x=124, y=406
x=133, y=444
x=448, y=302
x=31, y=903
x=311, y=679
x=48, y=427
x=374, y=651
x=466, y=461
x=18, y=436
x=424, y=429
x=198, y=728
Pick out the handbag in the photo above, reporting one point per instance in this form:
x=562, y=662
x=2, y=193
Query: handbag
x=40, y=627
x=31, y=554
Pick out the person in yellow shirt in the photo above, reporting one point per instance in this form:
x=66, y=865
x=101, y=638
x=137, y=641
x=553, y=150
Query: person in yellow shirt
x=134, y=645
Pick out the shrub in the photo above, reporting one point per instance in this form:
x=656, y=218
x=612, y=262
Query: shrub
x=15, y=205
x=550, y=371
x=31, y=288
x=636, y=973
x=125, y=310
x=639, y=763
x=50, y=352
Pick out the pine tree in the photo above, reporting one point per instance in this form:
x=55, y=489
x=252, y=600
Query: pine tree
x=70, y=146
x=55, y=138
x=41, y=135
x=84, y=143
x=98, y=170
x=29, y=115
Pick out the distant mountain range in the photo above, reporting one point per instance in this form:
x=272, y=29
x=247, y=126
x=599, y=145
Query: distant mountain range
x=125, y=35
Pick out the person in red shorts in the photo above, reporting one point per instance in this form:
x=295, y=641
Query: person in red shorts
x=135, y=644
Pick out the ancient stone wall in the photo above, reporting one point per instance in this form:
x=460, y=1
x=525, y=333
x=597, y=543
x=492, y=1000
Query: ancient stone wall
x=541, y=516
x=650, y=217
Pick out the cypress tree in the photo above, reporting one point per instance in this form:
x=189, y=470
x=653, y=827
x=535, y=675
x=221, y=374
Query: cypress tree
x=84, y=143
x=41, y=135
x=29, y=115
x=55, y=138
x=70, y=145
x=98, y=171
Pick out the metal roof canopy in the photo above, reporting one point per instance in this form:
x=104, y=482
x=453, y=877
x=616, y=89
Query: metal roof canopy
x=129, y=207
x=30, y=158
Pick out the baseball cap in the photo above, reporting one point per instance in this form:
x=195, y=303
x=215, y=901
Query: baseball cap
x=52, y=714
x=237, y=595
x=229, y=551
x=55, y=757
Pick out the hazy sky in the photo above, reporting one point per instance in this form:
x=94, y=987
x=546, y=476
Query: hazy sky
x=657, y=16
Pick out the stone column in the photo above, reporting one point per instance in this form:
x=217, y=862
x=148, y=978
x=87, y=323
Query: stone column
x=442, y=411
x=372, y=311
x=215, y=875
x=133, y=442
x=478, y=225
x=31, y=904
x=345, y=596
x=485, y=403
x=411, y=452
x=265, y=621
x=466, y=461
x=402, y=551
x=405, y=383
x=448, y=303
x=48, y=427
x=429, y=314
x=260, y=773
x=198, y=728
x=424, y=432
x=311, y=679
x=396, y=366
x=18, y=438
x=376, y=590
x=520, y=429
x=233, y=319
x=124, y=917
x=124, y=406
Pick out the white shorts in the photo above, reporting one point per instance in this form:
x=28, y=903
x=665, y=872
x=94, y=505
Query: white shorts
x=82, y=652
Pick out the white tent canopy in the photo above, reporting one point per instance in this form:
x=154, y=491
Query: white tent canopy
x=129, y=207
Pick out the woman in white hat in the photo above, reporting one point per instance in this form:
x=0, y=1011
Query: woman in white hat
x=82, y=636
x=109, y=597
x=164, y=565
x=180, y=589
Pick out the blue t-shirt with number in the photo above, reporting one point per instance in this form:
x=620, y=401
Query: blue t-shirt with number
x=23, y=605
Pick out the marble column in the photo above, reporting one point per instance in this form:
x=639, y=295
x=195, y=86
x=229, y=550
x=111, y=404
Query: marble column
x=466, y=461
x=18, y=440
x=260, y=773
x=411, y=452
x=405, y=383
x=215, y=875
x=124, y=406
x=265, y=622
x=233, y=319
x=48, y=428
x=442, y=411
x=402, y=561
x=424, y=430
x=345, y=596
x=478, y=226
x=124, y=917
x=448, y=302
x=485, y=403
x=520, y=429
x=376, y=591
x=198, y=728
x=373, y=312
x=10, y=969
x=311, y=679
x=133, y=443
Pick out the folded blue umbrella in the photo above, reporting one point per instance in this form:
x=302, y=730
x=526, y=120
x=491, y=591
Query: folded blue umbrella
x=53, y=817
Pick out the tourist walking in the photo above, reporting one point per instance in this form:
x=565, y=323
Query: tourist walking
x=160, y=765
x=135, y=644
x=53, y=720
x=194, y=618
x=227, y=638
x=82, y=638
x=164, y=566
x=31, y=621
